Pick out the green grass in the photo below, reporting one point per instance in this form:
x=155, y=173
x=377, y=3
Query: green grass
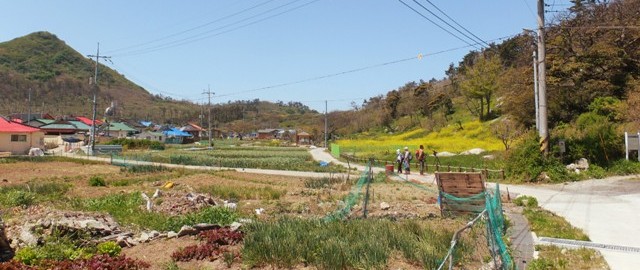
x=353, y=244
x=127, y=209
x=32, y=193
x=277, y=158
x=553, y=257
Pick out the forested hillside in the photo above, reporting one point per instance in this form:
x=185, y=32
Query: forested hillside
x=593, y=53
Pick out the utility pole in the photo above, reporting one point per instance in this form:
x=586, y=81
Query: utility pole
x=209, y=93
x=95, y=89
x=29, y=113
x=325, y=125
x=535, y=89
x=542, y=83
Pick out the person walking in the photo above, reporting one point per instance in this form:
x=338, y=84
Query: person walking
x=406, y=160
x=399, y=157
x=420, y=156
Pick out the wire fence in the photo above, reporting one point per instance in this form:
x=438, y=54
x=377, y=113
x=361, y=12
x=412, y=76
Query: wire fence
x=498, y=175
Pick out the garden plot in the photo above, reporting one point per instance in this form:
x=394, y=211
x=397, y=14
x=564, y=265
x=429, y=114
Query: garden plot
x=276, y=158
x=276, y=205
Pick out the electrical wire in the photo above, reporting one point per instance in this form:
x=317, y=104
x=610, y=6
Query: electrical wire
x=200, y=36
x=445, y=22
x=420, y=56
x=454, y=21
x=191, y=29
x=436, y=24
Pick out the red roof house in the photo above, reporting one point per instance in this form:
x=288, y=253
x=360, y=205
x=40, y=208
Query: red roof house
x=87, y=121
x=17, y=138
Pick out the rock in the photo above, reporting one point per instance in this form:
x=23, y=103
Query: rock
x=235, y=226
x=172, y=234
x=154, y=234
x=384, y=206
x=124, y=241
x=115, y=236
x=187, y=230
x=26, y=236
x=445, y=154
x=205, y=226
x=571, y=167
x=489, y=157
x=144, y=237
x=259, y=211
x=474, y=151
x=582, y=164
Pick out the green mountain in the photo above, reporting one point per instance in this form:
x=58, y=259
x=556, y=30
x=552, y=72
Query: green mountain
x=59, y=76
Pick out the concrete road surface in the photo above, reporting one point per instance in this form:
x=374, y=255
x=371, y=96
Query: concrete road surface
x=608, y=210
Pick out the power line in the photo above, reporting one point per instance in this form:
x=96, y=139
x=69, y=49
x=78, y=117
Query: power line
x=200, y=36
x=434, y=23
x=420, y=56
x=445, y=22
x=193, y=28
x=454, y=21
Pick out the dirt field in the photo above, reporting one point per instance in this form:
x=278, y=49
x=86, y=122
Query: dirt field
x=277, y=195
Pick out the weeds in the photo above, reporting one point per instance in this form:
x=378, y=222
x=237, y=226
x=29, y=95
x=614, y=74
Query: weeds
x=31, y=193
x=97, y=181
x=127, y=209
x=244, y=193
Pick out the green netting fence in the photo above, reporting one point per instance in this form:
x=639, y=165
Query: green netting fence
x=352, y=198
x=495, y=226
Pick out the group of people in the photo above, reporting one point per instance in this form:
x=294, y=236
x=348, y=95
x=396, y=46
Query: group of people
x=403, y=159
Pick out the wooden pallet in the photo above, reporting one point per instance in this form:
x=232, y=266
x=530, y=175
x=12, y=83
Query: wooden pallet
x=461, y=185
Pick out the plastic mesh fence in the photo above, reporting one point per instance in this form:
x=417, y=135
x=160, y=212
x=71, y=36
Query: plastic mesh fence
x=351, y=199
x=496, y=227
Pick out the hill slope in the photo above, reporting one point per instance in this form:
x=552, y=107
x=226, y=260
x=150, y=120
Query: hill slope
x=59, y=78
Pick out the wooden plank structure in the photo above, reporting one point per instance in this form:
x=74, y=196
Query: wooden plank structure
x=462, y=185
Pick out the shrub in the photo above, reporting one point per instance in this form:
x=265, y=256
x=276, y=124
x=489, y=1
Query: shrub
x=526, y=201
x=624, y=167
x=596, y=172
x=137, y=144
x=526, y=163
x=110, y=248
x=97, y=181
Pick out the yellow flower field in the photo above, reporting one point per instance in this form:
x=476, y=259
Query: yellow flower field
x=451, y=139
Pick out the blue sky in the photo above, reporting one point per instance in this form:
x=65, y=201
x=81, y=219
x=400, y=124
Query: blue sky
x=179, y=48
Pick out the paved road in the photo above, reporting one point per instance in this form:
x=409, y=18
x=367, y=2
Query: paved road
x=606, y=209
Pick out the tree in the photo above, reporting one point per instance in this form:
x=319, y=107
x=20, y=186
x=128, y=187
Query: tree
x=481, y=81
x=507, y=130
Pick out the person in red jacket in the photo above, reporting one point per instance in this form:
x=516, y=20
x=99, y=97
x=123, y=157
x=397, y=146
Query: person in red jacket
x=421, y=157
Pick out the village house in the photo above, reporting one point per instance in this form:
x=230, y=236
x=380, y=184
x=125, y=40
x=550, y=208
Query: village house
x=196, y=131
x=118, y=130
x=267, y=134
x=152, y=136
x=26, y=117
x=17, y=139
x=175, y=136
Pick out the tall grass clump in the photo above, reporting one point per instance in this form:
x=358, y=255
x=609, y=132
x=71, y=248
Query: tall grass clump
x=32, y=193
x=354, y=244
x=244, y=193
